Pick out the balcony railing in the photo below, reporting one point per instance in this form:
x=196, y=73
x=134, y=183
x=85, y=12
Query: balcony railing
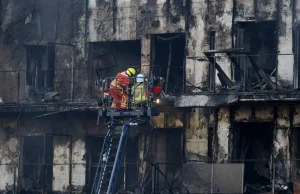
x=44, y=85
x=245, y=74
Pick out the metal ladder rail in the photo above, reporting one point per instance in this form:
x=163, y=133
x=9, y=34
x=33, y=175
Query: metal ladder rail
x=106, y=148
x=119, y=158
x=104, y=167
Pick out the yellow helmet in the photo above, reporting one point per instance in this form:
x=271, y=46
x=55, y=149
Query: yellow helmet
x=130, y=72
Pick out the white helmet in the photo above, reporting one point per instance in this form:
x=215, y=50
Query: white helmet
x=140, y=78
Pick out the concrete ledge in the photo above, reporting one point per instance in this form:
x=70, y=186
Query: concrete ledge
x=212, y=100
x=226, y=99
x=46, y=107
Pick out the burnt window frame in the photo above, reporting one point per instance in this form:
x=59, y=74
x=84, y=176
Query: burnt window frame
x=45, y=76
x=156, y=69
x=46, y=168
x=243, y=61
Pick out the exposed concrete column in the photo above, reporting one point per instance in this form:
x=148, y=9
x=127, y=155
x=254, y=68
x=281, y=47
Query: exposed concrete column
x=196, y=44
x=145, y=55
x=61, y=163
x=223, y=28
x=285, y=40
x=282, y=144
x=223, y=134
x=78, y=165
x=196, y=147
x=145, y=145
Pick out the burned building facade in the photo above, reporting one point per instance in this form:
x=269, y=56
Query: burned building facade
x=232, y=67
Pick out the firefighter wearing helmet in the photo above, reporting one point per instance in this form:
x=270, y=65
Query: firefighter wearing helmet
x=139, y=93
x=118, y=89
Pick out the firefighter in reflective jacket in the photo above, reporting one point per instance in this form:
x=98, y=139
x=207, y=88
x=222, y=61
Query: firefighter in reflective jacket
x=118, y=89
x=139, y=94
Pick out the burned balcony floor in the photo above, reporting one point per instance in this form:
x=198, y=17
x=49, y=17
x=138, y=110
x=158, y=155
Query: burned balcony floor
x=236, y=98
x=245, y=86
x=47, y=107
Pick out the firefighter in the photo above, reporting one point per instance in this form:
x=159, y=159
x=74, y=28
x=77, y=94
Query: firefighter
x=118, y=89
x=139, y=95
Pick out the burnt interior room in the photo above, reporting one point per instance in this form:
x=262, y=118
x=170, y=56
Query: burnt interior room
x=127, y=179
x=109, y=58
x=252, y=145
x=167, y=60
x=259, y=39
x=40, y=62
x=36, y=171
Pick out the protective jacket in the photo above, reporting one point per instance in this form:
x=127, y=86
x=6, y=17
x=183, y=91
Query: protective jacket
x=118, y=91
x=139, y=94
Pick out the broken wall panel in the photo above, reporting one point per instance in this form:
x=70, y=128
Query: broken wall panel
x=61, y=163
x=196, y=134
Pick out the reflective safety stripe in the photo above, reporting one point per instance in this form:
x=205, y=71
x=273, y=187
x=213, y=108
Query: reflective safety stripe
x=139, y=94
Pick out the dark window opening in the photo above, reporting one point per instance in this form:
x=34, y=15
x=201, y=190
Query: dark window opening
x=258, y=38
x=296, y=147
x=168, y=52
x=252, y=145
x=36, y=158
x=167, y=149
x=95, y=144
x=109, y=58
x=39, y=70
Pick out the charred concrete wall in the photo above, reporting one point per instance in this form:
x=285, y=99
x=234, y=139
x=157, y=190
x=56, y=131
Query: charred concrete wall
x=131, y=20
x=68, y=139
x=37, y=23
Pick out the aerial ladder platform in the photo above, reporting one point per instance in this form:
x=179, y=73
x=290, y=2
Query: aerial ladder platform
x=111, y=156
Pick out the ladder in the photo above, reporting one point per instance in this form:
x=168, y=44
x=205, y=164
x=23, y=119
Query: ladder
x=112, y=153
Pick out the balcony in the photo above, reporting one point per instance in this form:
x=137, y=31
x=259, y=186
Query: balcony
x=46, y=90
x=250, y=83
